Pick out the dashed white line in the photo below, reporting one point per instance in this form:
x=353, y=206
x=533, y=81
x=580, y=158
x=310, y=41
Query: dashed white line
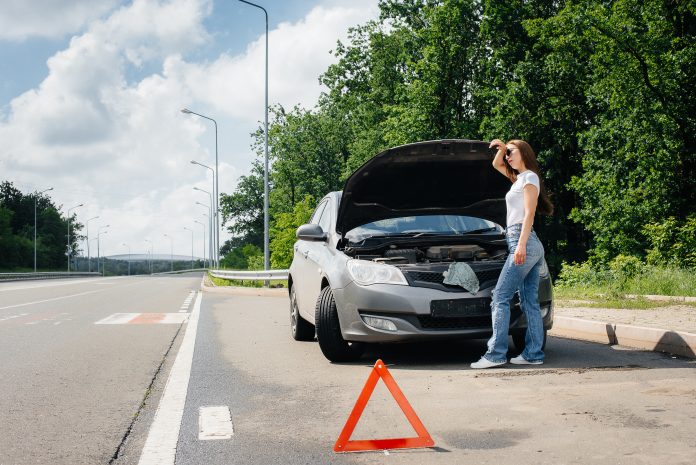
x=50, y=300
x=214, y=423
x=160, y=446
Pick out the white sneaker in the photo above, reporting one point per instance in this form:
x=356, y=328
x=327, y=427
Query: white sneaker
x=485, y=363
x=520, y=360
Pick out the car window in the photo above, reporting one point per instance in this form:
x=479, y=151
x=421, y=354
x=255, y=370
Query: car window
x=325, y=218
x=317, y=213
x=441, y=224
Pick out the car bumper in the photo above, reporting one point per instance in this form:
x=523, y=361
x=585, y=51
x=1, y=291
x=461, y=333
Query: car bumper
x=409, y=309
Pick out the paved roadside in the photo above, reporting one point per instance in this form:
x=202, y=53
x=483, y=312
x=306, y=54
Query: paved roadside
x=671, y=328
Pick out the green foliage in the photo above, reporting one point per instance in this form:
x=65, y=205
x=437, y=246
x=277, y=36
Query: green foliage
x=243, y=209
x=17, y=231
x=605, y=91
x=246, y=257
x=284, y=229
x=672, y=242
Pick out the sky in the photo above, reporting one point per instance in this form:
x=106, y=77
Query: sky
x=91, y=93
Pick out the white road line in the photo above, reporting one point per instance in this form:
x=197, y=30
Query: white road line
x=214, y=423
x=13, y=316
x=160, y=446
x=51, y=300
x=39, y=285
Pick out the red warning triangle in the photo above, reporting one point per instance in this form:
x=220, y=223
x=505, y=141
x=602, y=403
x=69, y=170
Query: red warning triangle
x=343, y=444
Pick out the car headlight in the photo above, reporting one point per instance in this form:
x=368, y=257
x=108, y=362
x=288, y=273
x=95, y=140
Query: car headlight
x=366, y=273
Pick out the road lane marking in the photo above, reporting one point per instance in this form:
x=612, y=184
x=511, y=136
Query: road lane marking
x=38, y=285
x=214, y=423
x=13, y=316
x=51, y=300
x=160, y=446
x=142, y=319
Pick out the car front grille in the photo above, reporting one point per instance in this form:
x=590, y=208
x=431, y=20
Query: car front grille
x=436, y=277
x=430, y=322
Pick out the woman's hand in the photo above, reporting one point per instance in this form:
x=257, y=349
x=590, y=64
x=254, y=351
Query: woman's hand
x=497, y=143
x=520, y=254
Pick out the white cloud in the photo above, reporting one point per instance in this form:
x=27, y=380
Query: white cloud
x=123, y=148
x=22, y=19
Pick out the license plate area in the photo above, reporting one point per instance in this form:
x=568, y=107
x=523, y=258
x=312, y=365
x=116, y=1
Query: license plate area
x=460, y=307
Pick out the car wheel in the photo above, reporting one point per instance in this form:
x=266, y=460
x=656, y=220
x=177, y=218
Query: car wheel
x=301, y=329
x=331, y=342
x=518, y=340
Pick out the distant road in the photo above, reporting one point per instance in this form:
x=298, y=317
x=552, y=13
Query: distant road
x=69, y=388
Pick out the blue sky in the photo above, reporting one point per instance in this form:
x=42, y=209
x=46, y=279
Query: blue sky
x=91, y=90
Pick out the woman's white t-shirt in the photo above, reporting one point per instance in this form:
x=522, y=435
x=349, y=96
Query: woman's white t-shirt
x=514, y=199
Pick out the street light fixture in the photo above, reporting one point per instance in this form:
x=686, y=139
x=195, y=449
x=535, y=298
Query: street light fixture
x=129, y=257
x=171, y=253
x=152, y=247
x=70, y=248
x=36, y=196
x=216, y=213
x=216, y=190
x=189, y=229
x=99, y=233
x=266, y=260
x=203, y=226
x=89, y=256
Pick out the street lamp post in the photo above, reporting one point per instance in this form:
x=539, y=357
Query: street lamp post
x=189, y=229
x=99, y=233
x=216, y=190
x=89, y=256
x=215, y=213
x=210, y=249
x=211, y=222
x=70, y=248
x=151, y=253
x=266, y=260
x=203, y=226
x=129, y=257
x=36, y=196
x=171, y=252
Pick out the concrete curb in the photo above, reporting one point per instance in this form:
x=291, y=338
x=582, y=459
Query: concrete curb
x=238, y=290
x=658, y=340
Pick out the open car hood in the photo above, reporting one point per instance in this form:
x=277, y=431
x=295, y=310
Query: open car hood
x=442, y=177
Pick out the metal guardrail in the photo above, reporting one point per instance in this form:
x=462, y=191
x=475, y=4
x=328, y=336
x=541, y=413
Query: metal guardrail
x=46, y=275
x=251, y=275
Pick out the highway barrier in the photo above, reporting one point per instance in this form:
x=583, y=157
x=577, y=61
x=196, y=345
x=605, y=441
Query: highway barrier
x=46, y=275
x=251, y=275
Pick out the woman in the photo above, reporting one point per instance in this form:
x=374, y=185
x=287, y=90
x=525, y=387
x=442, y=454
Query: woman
x=516, y=161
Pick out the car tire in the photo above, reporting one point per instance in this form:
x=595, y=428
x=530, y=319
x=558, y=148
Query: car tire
x=518, y=340
x=301, y=329
x=331, y=342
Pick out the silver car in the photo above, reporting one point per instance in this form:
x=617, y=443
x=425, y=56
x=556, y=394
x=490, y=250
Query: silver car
x=370, y=265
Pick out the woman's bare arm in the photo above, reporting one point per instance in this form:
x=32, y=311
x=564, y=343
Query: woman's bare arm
x=498, y=162
x=530, y=203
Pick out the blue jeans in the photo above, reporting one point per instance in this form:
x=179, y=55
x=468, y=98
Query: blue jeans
x=525, y=279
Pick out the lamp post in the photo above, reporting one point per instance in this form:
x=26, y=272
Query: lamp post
x=215, y=213
x=207, y=217
x=36, y=196
x=70, y=248
x=89, y=256
x=216, y=190
x=203, y=226
x=189, y=229
x=151, y=252
x=129, y=257
x=266, y=260
x=212, y=256
x=171, y=253
x=99, y=233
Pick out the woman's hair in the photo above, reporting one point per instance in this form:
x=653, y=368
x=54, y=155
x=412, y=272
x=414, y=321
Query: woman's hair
x=530, y=162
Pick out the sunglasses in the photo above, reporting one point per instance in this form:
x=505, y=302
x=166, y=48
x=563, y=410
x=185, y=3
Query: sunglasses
x=508, y=152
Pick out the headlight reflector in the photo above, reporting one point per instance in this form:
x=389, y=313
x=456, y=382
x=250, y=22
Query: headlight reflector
x=366, y=273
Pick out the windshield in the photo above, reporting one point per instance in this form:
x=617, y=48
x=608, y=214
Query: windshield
x=424, y=224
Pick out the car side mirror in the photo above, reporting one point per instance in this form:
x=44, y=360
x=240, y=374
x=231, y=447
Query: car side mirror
x=311, y=232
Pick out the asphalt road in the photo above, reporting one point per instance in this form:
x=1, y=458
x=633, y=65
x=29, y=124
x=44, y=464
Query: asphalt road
x=69, y=388
x=588, y=404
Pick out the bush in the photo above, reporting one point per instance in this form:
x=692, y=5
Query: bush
x=672, y=242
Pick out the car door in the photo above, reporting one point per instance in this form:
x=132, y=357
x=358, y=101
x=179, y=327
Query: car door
x=317, y=256
x=303, y=273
